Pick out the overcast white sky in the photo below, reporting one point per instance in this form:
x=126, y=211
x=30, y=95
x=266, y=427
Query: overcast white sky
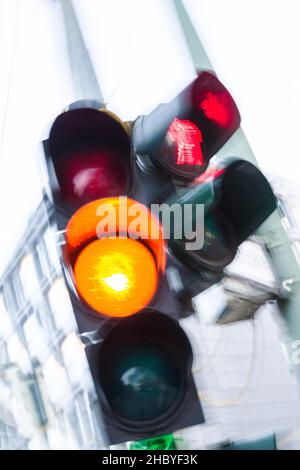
x=140, y=60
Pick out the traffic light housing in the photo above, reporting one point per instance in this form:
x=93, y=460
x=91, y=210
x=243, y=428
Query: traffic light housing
x=119, y=275
x=237, y=199
x=142, y=372
x=180, y=137
x=88, y=156
x=116, y=276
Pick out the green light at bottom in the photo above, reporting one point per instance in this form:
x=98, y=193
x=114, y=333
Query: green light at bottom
x=164, y=442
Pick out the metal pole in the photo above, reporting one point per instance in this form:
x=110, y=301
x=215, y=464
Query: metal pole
x=263, y=443
x=85, y=80
x=272, y=232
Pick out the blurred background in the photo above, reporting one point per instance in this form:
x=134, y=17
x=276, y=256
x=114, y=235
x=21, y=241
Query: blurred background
x=242, y=370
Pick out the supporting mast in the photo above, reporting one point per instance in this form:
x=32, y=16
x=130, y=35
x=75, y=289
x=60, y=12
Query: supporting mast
x=83, y=72
x=272, y=232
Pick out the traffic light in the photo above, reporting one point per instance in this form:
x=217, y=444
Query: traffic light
x=114, y=265
x=180, y=139
x=131, y=278
x=237, y=198
x=88, y=156
x=182, y=136
x=142, y=373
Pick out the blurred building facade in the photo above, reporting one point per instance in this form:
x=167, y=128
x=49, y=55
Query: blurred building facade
x=47, y=398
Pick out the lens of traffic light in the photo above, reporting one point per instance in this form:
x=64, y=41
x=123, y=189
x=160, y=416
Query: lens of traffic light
x=144, y=362
x=90, y=173
x=181, y=150
x=115, y=268
x=108, y=275
x=219, y=247
x=214, y=108
x=144, y=381
x=90, y=151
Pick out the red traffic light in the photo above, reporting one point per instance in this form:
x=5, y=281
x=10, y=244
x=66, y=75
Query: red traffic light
x=91, y=156
x=213, y=100
x=182, y=136
x=91, y=172
x=187, y=139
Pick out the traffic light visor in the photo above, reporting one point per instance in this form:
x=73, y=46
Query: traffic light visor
x=90, y=152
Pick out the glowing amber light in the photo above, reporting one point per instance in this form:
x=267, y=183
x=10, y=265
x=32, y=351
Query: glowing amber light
x=115, y=276
x=82, y=228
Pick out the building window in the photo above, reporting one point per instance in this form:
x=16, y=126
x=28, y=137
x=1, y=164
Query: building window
x=83, y=411
x=29, y=276
x=9, y=297
x=60, y=306
x=56, y=381
x=43, y=260
x=18, y=354
x=35, y=337
x=74, y=357
x=45, y=317
x=6, y=327
x=51, y=249
x=17, y=290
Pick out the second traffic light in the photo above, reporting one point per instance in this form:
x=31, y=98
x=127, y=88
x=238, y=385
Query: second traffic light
x=236, y=199
x=180, y=137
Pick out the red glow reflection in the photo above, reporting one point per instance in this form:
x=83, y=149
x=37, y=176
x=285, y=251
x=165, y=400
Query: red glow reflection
x=188, y=140
x=218, y=107
x=91, y=173
x=210, y=175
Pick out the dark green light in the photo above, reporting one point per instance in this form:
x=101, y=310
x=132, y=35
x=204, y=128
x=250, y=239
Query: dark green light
x=142, y=382
x=217, y=241
x=236, y=199
x=144, y=365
